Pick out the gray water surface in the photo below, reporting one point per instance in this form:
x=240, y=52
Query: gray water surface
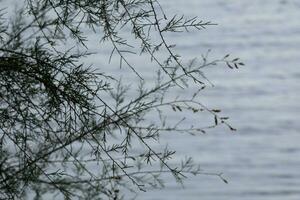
x=262, y=160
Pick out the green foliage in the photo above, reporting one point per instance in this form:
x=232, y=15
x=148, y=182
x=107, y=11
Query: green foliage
x=59, y=136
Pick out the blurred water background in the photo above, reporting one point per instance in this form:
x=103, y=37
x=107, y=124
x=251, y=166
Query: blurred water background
x=261, y=160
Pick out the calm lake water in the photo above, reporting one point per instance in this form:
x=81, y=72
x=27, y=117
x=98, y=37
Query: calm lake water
x=261, y=160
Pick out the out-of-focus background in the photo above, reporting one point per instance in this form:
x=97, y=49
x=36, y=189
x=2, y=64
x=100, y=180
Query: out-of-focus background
x=262, y=160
